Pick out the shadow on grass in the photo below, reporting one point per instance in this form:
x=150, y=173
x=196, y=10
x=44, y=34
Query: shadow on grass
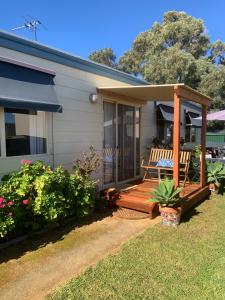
x=189, y=215
x=38, y=241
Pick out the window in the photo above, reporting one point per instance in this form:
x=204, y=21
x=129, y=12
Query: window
x=192, y=124
x=191, y=133
x=24, y=132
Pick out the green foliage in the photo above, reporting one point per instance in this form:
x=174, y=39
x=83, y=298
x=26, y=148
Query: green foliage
x=194, y=172
x=37, y=195
x=215, y=173
x=197, y=151
x=166, y=194
x=177, y=49
x=51, y=190
x=104, y=56
x=7, y=223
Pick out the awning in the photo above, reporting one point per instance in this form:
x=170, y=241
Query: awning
x=160, y=92
x=216, y=116
x=167, y=112
x=26, y=88
x=194, y=120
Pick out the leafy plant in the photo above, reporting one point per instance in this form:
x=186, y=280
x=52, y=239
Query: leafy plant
x=215, y=173
x=166, y=194
x=37, y=195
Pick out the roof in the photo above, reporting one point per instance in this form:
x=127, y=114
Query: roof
x=14, y=42
x=216, y=116
x=160, y=92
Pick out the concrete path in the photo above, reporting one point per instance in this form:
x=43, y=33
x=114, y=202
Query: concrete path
x=33, y=274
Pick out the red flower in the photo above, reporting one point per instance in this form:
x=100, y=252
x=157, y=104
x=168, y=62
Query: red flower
x=2, y=205
x=24, y=161
x=2, y=200
x=10, y=203
x=25, y=201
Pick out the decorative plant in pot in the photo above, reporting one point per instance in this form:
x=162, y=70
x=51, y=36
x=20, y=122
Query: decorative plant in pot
x=215, y=174
x=167, y=196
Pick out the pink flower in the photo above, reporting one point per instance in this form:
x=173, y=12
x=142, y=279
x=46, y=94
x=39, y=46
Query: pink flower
x=2, y=205
x=10, y=203
x=25, y=201
x=2, y=200
x=24, y=161
x=10, y=214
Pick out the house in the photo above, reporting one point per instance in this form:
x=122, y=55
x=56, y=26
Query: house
x=50, y=110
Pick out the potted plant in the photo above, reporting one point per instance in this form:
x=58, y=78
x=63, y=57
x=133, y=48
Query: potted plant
x=215, y=174
x=167, y=196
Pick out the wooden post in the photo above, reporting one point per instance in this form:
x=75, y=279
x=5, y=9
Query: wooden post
x=203, y=148
x=176, y=137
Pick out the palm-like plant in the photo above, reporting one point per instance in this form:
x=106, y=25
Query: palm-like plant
x=166, y=195
x=215, y=173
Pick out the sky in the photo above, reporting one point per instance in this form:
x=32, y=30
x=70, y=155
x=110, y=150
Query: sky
x=80, y=27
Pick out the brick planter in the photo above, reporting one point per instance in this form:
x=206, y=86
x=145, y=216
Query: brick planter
x=170, y=216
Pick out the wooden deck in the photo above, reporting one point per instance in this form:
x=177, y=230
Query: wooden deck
x=136, y=197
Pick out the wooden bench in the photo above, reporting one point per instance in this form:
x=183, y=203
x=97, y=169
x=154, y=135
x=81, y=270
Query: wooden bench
x=157, y=154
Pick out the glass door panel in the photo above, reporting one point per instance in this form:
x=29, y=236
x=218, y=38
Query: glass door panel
x=109, y=143
x=126, y=138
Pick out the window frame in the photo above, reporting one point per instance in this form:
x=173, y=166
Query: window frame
x=3, y=138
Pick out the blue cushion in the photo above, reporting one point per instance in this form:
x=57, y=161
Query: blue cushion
x=167, y=163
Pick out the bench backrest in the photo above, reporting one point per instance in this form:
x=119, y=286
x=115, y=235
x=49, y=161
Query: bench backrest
x=157, y=154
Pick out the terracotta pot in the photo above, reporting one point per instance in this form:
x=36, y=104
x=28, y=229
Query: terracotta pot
x=213, y=188
x=170, y=215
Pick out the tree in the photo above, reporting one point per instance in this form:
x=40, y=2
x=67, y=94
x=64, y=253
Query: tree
x=104, y=56
x=167, y=51
x=175, y=50
x=218, y=52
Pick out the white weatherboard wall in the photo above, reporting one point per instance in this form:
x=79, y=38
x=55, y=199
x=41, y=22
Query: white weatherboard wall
x=81, y=123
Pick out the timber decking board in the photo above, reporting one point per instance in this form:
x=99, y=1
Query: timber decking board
x=137, y=197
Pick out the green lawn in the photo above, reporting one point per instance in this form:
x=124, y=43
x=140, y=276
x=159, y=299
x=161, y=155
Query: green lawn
x=163, y=263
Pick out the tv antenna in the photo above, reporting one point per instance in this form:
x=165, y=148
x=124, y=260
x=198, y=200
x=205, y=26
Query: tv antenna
x=31, y=24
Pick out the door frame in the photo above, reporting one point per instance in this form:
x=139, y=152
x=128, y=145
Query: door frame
x=135, y=105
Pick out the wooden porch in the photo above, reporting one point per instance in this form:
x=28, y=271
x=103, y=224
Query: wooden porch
x=136, y=197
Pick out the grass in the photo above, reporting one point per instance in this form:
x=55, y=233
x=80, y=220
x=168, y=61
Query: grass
x=162, y=263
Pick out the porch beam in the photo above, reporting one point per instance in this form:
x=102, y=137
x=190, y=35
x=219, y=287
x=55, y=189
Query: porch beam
x=203, y=148
x=117, y=96
x=189, y=94
x=176, y=136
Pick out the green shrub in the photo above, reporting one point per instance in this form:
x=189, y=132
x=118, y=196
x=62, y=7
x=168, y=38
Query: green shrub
x=37, y=195
x=7, y=223
x=215, y=173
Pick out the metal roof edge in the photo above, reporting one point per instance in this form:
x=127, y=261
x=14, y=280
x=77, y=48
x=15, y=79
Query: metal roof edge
x=14, y=42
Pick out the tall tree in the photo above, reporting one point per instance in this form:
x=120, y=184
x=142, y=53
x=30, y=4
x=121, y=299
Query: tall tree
x=104, y=56
x=175, y=50
x=168, y=50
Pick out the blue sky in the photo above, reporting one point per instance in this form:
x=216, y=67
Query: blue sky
x=83, y=26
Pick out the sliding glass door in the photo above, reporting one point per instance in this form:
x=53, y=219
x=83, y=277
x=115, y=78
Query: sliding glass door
x=109, y=142
x=121, y=142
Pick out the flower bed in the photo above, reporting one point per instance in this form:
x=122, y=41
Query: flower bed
x=38, y=195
